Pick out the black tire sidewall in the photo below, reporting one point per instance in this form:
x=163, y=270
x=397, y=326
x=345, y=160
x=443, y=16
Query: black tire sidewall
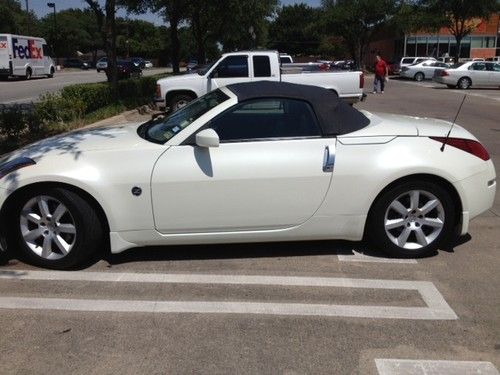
x=89, y=231
x=376, y=230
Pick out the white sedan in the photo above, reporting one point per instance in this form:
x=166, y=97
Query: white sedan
x=260, y=161
x=422, y=70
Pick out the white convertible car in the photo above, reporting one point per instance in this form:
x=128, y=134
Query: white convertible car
x=259, y=161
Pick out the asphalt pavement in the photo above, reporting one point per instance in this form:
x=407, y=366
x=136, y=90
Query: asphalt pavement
x=22, y=91
x=329, y=307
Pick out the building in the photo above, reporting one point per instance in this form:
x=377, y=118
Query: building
x=483, y=42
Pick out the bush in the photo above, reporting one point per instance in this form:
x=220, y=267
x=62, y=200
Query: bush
x=92, y=95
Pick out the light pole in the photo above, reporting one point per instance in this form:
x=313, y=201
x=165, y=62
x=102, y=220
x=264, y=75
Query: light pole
x=27, y=18
x=54, y=43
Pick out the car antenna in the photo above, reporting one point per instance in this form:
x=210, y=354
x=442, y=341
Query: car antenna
x=453, y=124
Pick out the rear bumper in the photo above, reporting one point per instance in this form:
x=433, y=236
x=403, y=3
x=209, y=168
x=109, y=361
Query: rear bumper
x=477, y=193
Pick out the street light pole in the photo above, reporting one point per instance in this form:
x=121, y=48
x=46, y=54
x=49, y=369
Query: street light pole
x=53, y=5
x=27, y=18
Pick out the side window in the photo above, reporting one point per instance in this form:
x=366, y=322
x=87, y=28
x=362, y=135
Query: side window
x=269, y=118
x=285, y=60
x=261, y=66
x=496, y=67
x=232, y=67
x=478, y=66
x=407, y=61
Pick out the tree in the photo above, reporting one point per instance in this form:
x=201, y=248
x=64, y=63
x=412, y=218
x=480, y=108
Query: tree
x=356, y=21
x=460, y=17
x=15, y=20
x=294, y=30
x=106, y=22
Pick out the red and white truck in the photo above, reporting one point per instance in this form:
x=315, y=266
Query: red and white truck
x=246, y=66
x=24, y=56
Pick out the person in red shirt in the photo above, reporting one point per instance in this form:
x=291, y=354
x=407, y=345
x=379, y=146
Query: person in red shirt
x=381, y=73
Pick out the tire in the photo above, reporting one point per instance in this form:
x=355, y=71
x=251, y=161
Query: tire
x=419, y=77
x=51, y=75
x=98, y=70
x=464, y=83
x=406, y=233
x=28, y=74
x=40, y=240
x=179, y=101
x=451, y=86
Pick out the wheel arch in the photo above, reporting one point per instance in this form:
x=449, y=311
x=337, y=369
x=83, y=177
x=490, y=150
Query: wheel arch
x=173, y=93
x=455, y=196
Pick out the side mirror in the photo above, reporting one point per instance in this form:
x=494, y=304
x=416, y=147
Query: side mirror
x=207, y=138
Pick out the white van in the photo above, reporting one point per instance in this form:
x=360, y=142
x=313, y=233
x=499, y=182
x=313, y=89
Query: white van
x=24, y=56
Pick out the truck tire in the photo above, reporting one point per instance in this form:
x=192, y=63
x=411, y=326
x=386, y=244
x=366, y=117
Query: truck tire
x=179, y=101
x=51, y=74
x=28, y=74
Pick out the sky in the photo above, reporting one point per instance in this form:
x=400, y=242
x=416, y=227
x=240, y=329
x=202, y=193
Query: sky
x=41, y=9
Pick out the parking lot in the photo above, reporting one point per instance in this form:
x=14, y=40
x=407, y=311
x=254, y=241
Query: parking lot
x=329, y=307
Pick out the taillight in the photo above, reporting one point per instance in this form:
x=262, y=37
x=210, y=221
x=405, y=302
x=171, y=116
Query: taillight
x=468, y=145
x=361, y=80
x=158, y=91
x=444, y=73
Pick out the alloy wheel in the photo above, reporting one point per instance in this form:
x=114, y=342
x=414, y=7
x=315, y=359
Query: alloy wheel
x=414, y=219
x=47, y=227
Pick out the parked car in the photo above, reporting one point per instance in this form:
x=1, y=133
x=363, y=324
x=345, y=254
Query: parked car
x=422, y=70
x=127, y=69
x=448, y=60
x=187, y=179
x=191, y=65
x=406, y=61
x=76, y=63
x=102, y=64
x=148, y=64
x=176, y=91
x=471, y=73
x=138, y=61
x=286, y=59
x=393, y=68
x=494, y=59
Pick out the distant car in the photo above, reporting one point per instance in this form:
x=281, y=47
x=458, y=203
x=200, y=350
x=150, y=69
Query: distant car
x=148, y=64
x=495, y=59
x=127, y=69
x=192, y=64
x=76, y=63
x=406, y=61
x=285, y=59
x=102, y=64
x=422, y=70
x=138, y=61
x=471, y=73
x=393, y=68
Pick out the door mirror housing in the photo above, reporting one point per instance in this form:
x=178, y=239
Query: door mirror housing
x=207, y=138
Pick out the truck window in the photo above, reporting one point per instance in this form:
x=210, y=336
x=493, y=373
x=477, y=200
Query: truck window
x=232, y=67
x=46, y=50
x=261, y=66
x=285, y=60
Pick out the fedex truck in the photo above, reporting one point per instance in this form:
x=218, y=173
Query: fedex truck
x=24, y=56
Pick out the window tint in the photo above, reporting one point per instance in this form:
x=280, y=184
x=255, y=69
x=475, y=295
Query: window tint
x=285, y=60
x=496, y=67
x=266, y=118
x=261, y=66
x=407, y=61
x=232, y=66
x=479, y=66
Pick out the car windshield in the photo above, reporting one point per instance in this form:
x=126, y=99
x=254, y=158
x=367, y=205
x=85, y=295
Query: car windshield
x=162, y=130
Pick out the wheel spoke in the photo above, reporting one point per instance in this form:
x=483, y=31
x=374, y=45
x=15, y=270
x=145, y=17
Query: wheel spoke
x=67, y=228
x=399, y=208
x=59, y=212
x=403, y=237
x=43, y=206
x=435, y=223
x=61, y=244
x=395, y=223
x=31, y=216
x=33, y=234
x=47, y=247
x=429, y=206
x=421, y=238
x=414, y=199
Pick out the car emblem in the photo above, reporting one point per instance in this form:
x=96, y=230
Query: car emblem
x=136, y=191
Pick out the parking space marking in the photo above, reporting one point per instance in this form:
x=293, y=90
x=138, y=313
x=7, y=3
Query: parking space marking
x=428, y=367
x=358, y=257
x=437, y=308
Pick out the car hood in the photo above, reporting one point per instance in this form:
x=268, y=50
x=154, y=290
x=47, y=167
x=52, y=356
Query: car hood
x=387, y=124
x=120, y=137
x=180, y=78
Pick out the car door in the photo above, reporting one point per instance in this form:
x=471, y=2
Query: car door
x=232, y=69
x=494, y=74
x=268, y=172
x=479, y=74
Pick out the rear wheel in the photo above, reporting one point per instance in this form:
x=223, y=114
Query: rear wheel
x=54, y=228
x=28, y=74
x=464, y=83
x=419, y=77
x=51, y=74
x=412, y=219
x=179, y=101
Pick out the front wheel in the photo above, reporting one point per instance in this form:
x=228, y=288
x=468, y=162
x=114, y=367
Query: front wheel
x=412, y=219
x=179, y=101
x=28, y=74
x=54, y=228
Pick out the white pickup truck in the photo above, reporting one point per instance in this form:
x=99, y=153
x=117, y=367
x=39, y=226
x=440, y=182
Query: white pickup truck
x=175, y=92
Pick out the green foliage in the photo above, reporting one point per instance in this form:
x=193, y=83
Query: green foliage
x=14, y=20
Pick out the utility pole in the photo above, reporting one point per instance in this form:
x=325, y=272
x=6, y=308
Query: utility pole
x=27, y=18
x=54, y=42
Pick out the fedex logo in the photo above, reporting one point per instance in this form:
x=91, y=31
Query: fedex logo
x=31, y=51
x=3, y=45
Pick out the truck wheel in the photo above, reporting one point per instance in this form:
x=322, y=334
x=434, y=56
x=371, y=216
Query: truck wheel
x=28, y=74
x=179, y=101
x=51, y=75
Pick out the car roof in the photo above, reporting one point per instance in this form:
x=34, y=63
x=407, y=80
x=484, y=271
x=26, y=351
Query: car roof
x=334, y=115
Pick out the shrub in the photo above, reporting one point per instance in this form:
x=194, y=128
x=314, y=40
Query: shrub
x=92, y=95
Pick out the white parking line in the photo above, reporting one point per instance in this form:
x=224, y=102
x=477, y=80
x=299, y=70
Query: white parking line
x=426, y=367
x=358, y=257
x=437, y=308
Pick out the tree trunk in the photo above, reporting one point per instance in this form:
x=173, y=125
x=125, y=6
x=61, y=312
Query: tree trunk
x=174, y=36
x=458, y=40
x=199, y=36
x=111, y=45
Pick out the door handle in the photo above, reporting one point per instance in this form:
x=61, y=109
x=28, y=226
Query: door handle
x=329, y=158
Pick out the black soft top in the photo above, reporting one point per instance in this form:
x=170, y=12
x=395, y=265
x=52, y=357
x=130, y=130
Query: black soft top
x=335, y=116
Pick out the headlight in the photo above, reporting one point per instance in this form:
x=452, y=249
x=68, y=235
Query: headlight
x=14, y=165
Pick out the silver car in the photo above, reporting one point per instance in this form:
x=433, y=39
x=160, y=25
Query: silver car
x=471, y=73
x=422, y=70
x=102, y=64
